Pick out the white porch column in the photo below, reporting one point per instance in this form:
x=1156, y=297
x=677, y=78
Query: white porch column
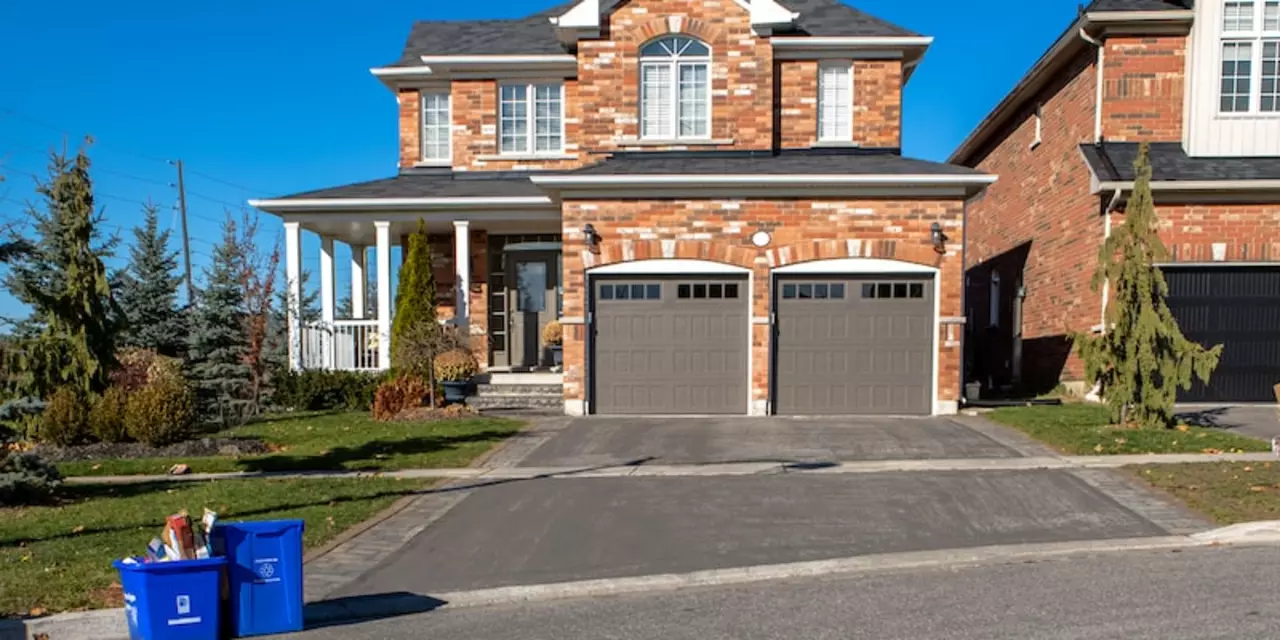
x=359, y=280
x=293, y=272
x=462, y=264
x=384, y=293
x=326, y=300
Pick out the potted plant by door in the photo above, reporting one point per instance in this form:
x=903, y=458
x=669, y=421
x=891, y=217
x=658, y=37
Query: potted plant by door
x=553, y=337
x=454, y=370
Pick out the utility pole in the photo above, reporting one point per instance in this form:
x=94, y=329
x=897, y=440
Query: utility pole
x=186, y=237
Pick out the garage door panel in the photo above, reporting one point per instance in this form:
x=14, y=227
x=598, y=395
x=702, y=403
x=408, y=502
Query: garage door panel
x=846, y=354
x=1239, y=308
x=684, y=354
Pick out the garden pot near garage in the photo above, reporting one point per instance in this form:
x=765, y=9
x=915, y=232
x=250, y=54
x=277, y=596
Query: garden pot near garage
x=455, y=392
x=557, y=355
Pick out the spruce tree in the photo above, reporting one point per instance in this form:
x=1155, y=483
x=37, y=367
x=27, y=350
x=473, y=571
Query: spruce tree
x=218, y=345
x=70, y=338
x=1141, y=358
x=415, y=298
x=149, y=290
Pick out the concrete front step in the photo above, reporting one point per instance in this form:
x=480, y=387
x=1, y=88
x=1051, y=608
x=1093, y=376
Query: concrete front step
x=508, y=390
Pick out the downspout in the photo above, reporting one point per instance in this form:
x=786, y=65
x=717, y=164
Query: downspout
x=1097, y=140
x=1097, y=100
x=1106, y=235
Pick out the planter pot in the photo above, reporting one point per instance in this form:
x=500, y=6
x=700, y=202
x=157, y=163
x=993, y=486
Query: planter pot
x=557, y=355
x=455, y=392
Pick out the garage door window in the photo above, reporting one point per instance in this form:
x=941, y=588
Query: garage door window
x=707, y=291
x=893, y=290
x=630, y=292
x=813, y=291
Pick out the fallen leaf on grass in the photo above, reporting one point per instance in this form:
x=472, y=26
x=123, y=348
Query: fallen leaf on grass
x=37, y=611
x=1097, y=448
x=1183, y=428
x=96, y=467
x=1239, y=450
x=1121, y=441
x=78, y=529
x=1212, y=452
x=1202, y=435
x=1248, y=469
x=1257, y=488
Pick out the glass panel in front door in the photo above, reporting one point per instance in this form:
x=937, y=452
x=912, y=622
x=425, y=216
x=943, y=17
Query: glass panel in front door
x=531, y=286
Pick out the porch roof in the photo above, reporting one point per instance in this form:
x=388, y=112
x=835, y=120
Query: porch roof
x=414, y=190
x=833, y=161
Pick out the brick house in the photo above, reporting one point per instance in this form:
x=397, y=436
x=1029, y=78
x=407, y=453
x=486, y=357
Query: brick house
x=708, y=195
x=1202, y=85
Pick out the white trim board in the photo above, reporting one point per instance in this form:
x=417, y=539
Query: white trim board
x=668, y=266
x=382, y=204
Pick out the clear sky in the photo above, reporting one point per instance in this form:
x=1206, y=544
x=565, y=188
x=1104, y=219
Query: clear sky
x=274, y=96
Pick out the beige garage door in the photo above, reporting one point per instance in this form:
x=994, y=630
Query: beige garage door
x=670, y=345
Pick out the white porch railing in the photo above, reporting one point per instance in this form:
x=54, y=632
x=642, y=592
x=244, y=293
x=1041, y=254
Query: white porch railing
x=346, y=345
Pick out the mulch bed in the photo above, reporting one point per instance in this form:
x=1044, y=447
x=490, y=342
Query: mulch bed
x=201, y=447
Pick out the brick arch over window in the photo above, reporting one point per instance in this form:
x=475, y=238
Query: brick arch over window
x=673, y=25
x=628, y=249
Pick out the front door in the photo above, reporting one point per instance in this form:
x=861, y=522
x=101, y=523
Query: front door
x=533, y=279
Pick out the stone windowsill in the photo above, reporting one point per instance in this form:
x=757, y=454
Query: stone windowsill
x=527, y=157
x=836, y=144
x=645, y=142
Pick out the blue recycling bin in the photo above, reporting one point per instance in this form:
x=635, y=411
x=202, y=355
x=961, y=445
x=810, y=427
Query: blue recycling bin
x=178, y=599
x=264, y=570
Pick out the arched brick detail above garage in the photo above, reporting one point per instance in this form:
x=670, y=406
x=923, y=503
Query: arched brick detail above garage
x=735, y=253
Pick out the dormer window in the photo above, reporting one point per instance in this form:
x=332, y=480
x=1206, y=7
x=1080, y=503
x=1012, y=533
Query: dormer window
x=1250, y=80
x=675, y=89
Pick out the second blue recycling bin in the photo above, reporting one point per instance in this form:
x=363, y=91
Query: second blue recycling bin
x=265, y=574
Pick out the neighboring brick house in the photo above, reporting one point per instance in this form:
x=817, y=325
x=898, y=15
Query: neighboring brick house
x=708, y=195
x=1202, y=85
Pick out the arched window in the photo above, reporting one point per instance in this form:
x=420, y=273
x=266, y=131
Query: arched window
x=675, y=89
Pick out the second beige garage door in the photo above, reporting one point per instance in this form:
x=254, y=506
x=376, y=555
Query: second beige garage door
x=854, y=345
x=670, y=345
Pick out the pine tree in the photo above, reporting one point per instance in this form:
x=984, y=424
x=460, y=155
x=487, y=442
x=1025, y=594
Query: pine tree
x=1141, y=358
x=415, y=298
x=71, y=336
x=217, y=346
x=149, y=290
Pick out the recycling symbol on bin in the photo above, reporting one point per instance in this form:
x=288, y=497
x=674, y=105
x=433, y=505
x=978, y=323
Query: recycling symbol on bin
x=266, y=569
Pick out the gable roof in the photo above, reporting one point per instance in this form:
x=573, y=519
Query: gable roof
x=1139, y=5
x=535, y=35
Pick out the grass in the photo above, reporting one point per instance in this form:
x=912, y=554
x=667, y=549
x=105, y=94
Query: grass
x=1228, y=492
x=338, y=441
x=1085, y=429
x=58, y=558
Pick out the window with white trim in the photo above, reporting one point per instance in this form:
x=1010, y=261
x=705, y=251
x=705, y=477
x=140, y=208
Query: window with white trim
x=1250, y=81
x=835, y=101
x=436, y=126
x=531, y=119
x=675, y=89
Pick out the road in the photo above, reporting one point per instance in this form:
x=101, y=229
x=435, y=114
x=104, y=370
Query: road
x=1195, y=594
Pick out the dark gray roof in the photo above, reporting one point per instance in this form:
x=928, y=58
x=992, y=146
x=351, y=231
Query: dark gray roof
x=1113, y=161
x=535, y=35
x=495, y=184
x=816, y=162
x=1139, y=5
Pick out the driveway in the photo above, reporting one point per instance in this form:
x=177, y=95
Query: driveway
x=1258, y=421
x=553, y=530
x=606, y=441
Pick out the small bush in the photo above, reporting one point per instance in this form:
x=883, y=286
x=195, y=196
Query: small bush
x=106, y=416
x=26, y=478
x=132, y=373
x=394, y=396
x=456, y=366
x=325, y=390
x=553, y=334
x=161, y=413
x=66, y=418
x=20, y=418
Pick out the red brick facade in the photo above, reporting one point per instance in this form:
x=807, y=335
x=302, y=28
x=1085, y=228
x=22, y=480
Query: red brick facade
x=877, y=100
x=1143, y=88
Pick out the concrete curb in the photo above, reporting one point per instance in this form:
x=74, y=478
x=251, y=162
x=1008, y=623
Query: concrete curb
x=109, y=624
x=725, y=469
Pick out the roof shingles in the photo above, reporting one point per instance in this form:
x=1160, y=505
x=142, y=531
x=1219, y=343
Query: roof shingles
x=1169, y=163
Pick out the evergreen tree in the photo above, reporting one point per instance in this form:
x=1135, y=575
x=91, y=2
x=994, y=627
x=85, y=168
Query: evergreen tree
x=218, y=345
x=149, y=290
x=278, y=327
x=1141, y=358
x=71, y=336
x=415, y=298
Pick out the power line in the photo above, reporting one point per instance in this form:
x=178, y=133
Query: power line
x=225, y=182
x=53, y=127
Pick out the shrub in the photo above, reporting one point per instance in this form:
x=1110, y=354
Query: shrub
x=106, y=416
x=133, y=371
x=20, y=418
x=66, y=418
x=394, y=396
x=26, y=478
x=553, y=334
x=323, y=390
x=161, y=413
x=456, y=366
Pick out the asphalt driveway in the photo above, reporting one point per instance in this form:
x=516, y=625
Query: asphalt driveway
x=552, y=530
x=605, y=441
x=1257, y=421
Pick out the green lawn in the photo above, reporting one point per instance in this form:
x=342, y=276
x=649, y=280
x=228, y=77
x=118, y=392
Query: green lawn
x=1085, y=429
x=342, y=441
x=1228, y=492
x=58, y=558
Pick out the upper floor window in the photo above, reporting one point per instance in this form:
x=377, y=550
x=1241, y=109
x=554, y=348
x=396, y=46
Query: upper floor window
x=675, y=89
x=835, y=102
x=531, y=118
x=436, y=126
x=1250, y=57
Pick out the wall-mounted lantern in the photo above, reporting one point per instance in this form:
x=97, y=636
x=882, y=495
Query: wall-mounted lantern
x=939, y=238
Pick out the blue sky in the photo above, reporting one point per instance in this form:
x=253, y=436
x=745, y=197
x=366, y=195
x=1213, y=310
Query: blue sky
x=267, y=98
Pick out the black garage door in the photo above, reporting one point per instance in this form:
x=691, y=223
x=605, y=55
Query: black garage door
x=854, y=345
x=1238, y=308
x=670, y=345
